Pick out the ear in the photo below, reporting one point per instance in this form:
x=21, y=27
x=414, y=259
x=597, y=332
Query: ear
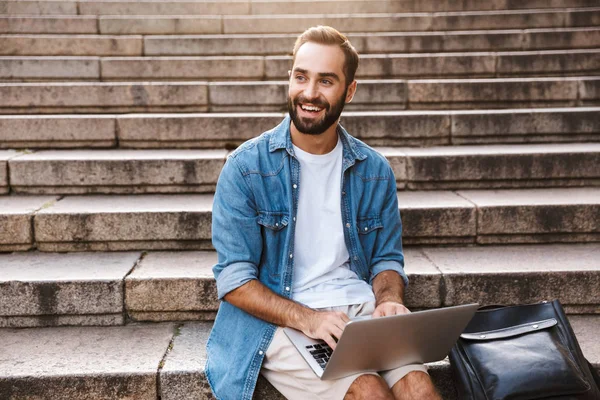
x=289, y=73
x=351, y=91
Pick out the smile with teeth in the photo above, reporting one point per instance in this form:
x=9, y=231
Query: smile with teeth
x=310, y=108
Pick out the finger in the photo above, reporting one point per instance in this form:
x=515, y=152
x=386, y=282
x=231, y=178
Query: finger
x=340, y=324
x=330, y=341
x=337, y=332
x=344, y=317
x=386, y=311
x=377, y=313
x=395, y=310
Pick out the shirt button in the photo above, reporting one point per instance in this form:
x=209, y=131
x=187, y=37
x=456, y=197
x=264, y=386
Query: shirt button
x=295, y=186
x=366, y=229
x=294, y=219
x=276, y=224
x=287, y=288
x=355, y=258
x=347, y=225
x=291, y=255
x=343, y=193
x=261, y=352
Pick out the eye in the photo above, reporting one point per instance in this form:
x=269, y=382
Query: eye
x=300, y=78
x=326, y=82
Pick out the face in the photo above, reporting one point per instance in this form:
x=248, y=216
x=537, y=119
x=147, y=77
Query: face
x=318, y=91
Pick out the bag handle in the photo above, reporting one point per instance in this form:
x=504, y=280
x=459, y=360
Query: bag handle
x=498, y=306
x=511, y=331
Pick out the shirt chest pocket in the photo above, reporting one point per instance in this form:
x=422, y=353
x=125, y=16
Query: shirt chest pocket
x=273, y=231
x=274, y=221
x=367, y=225
x=368, y=229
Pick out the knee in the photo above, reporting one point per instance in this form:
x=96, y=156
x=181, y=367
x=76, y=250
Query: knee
x=417, y=382
x=416, y=377
x=371, y=387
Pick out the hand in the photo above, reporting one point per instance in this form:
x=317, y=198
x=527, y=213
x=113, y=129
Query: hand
x=388, y=308
x=325, y=325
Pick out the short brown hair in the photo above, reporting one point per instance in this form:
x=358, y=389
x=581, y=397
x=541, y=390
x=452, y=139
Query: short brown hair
x=329, y=36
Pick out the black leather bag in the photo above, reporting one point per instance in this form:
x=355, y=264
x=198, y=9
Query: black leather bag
x=522, y=353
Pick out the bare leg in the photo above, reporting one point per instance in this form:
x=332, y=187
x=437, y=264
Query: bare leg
x=369, y=387
x=415, y=385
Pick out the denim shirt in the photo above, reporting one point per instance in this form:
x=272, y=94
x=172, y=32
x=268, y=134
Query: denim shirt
x=254, y=214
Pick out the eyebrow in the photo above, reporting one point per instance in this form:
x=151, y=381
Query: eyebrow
x=321, y=74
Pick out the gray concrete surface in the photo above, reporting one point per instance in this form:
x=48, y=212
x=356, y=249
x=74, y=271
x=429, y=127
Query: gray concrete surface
x=40, y=68
x=543, y=215
x=166, y=282
x=384, y=42
x=436, y=217
x=68, y=285
x=5, y=155
x=117, y=171
x=502, y=166
x=525, y=125
x=520, y=274
x=57, y=131
x=16, y=217
x=82, y=363
x=86, y=97
x=116, y=223
x=15, y=24
x=70, y=45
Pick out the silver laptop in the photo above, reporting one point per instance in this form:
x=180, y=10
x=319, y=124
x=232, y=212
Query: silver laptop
x=379, y=344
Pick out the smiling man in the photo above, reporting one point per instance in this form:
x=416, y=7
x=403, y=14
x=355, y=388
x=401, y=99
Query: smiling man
x=308, y=234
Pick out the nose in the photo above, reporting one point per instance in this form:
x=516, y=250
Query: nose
x=311, y=92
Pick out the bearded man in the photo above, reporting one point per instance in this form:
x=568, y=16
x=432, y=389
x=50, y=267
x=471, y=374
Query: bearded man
x=308, y=235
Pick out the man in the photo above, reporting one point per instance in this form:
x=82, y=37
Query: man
x=308, y=234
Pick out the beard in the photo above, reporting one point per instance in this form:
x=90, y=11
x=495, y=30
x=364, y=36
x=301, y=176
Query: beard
x=316, y=127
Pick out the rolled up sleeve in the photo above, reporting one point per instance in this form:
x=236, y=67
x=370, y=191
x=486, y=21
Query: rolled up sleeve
x=235, y=232
x=388, y=254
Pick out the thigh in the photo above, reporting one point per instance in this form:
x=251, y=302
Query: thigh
x=289, y=373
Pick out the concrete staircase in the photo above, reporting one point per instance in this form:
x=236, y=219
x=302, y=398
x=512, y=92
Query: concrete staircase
x=117, y=116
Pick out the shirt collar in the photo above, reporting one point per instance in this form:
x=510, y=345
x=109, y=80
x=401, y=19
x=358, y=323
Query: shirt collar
x=282, y=139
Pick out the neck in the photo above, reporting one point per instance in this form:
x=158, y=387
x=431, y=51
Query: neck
x=315, y=144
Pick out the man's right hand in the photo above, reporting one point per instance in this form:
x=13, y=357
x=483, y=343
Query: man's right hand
x=258, y=300
x=325, y=325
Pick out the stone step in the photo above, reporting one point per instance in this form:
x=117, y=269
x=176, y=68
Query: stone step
x=196, y=171
x=201, y=96
x=4, y=157
x=183, y=222
x=296, y=23
x=282, y=44
x=16, y=220
x=85, y=45
x=36, y=7
x=151, y=360
x=252, y=68
x=392, y=128
x=167, y=286
x=366, y=43
x=52, y=289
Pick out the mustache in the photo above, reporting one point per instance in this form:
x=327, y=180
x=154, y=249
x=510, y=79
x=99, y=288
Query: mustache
x=316, y=102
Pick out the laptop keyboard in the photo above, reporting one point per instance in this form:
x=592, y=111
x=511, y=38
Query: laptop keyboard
x=321, y=353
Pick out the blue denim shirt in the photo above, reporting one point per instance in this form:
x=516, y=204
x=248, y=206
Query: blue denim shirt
x=254, y=215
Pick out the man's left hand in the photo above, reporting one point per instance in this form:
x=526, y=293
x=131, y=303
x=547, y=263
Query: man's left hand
x=388, y=308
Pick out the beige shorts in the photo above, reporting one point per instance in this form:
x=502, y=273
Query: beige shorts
x=285, y=368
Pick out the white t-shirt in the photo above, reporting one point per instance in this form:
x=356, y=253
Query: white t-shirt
x=322, y=277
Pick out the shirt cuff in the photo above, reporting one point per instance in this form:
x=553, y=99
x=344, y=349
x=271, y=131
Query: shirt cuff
x=235, y=275
x=388, y=266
